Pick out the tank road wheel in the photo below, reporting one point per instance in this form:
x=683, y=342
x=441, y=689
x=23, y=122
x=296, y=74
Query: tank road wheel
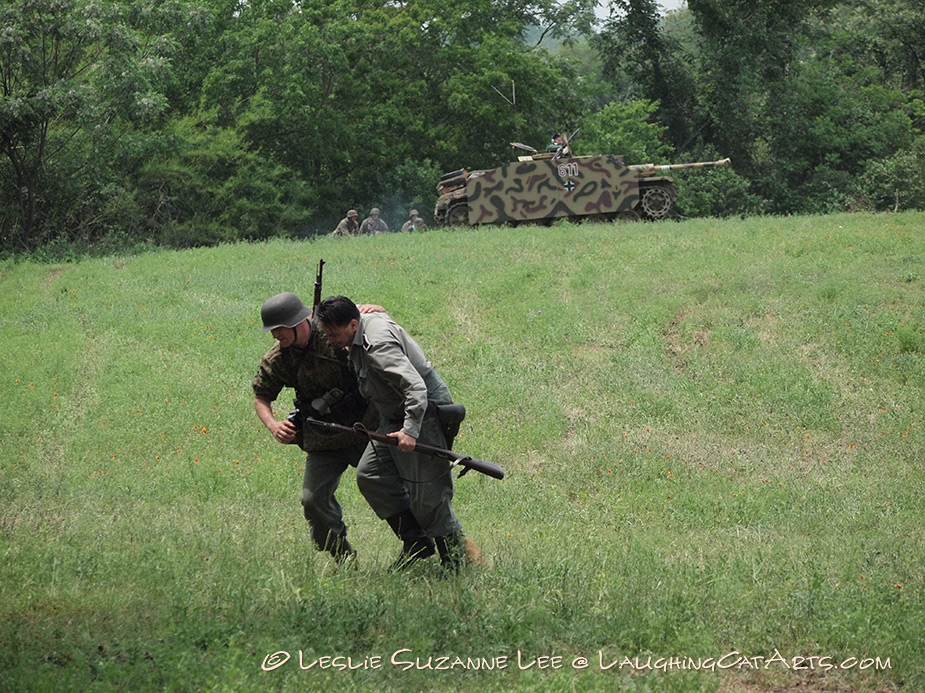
x=627, y=215
x=656, y=202
x=458, y=214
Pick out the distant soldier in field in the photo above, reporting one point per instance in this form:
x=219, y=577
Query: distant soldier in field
x=414, y=223
x=394, y=374
x=326, y=389
x=373, y=224
x=348, y=226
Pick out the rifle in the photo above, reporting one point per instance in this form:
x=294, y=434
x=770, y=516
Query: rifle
x=359, y=430
x=317, y=287
x=566, y=148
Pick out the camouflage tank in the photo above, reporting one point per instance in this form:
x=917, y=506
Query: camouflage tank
x=543, y=186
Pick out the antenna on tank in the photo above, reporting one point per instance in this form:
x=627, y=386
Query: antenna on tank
x=513, y=99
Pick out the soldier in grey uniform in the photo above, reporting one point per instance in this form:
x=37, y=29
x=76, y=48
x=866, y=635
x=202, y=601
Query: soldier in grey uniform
x=373, y=224
x=326, y=389
x=393, y=373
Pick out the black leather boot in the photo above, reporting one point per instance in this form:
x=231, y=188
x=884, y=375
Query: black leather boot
x=457, y=552
x=416, y=545
x=338, y=546
x=450, y=551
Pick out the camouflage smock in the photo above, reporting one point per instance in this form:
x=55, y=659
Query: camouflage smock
x=370, y=226
x=311, y=371
x=416, y=224
x=347, y=227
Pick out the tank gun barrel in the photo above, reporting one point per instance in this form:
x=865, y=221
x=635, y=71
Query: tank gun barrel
x=645, y=170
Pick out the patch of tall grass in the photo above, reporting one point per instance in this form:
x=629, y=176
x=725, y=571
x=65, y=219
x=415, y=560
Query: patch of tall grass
x=712, y=432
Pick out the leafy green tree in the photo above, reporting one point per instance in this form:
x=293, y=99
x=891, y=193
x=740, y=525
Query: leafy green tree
x=719, y=192
x=78, y=84
x=898, y=182
x=344, y=93
x=280, y=85
x=806, y=95
x=193, y=123
x=826, y=128
x=626, y=128
x=634, y=43
x=473, y=82
x=889, y=33
x=747, y=50
x=213, y=189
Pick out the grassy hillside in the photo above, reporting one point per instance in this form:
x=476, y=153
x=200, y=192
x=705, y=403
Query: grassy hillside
x=712, y=433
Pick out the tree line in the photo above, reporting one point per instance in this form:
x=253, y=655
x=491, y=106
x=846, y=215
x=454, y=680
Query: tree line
x=182, y=123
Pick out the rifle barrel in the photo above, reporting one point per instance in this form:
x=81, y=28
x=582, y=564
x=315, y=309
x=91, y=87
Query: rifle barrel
x=488, y=468
x=317, y=298
x=646, y=170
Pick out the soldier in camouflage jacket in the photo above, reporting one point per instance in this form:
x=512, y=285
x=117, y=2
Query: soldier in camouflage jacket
x=373, y=224
x=326, y=389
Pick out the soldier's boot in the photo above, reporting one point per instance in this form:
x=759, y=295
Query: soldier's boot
x=456, y=551
x=416, y=545
x=338, y=546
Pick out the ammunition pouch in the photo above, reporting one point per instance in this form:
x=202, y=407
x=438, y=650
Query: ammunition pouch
x=450, y=417
x=344, y=407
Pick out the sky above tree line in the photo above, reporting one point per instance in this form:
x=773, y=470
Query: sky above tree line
x=603, y=11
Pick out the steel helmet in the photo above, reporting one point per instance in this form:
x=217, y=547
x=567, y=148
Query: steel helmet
x=283, y=310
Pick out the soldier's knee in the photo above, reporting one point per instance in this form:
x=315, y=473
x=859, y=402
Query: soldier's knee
x=310, y=502
x=364, y=481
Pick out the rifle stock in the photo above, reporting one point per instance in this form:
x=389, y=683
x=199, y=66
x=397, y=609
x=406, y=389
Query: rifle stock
x=487, y=468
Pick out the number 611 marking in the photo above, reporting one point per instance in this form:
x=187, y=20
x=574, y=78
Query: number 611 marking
x=568, y=169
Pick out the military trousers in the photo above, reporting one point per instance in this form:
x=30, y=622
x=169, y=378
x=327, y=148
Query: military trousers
x=323, y=470
x=427, y=480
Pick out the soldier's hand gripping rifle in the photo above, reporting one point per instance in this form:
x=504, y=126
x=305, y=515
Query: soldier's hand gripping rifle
x=359, y=430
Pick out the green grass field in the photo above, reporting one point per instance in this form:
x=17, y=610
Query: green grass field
x=712, y=433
